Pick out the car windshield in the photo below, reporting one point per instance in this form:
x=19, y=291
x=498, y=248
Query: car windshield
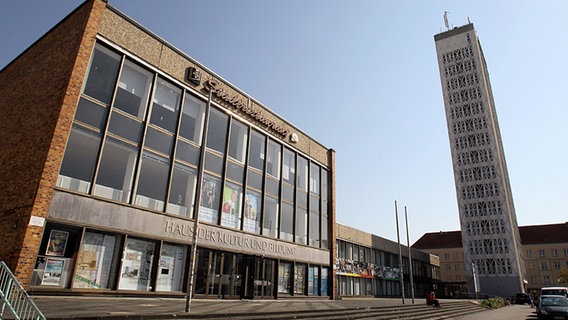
x=554, y=301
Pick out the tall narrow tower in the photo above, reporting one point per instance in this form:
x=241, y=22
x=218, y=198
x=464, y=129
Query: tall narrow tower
x=490, y=235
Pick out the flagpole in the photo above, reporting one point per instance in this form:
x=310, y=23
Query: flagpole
x=409, y=257
x=399, y=253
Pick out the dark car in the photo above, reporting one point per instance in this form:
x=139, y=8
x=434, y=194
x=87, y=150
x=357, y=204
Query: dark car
x=522, y=298
x=552, y=307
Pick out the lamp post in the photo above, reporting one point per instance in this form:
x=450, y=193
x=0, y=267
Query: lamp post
x=409, y=257
x=399, y=253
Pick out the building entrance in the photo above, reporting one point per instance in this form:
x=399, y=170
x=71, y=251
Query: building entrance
x=224, y=275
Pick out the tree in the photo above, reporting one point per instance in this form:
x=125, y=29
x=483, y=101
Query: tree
x=563, y=277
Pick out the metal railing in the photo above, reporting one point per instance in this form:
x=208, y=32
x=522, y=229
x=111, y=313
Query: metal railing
x=14, y=298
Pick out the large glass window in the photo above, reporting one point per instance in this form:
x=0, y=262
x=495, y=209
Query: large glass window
x=80, y=159
x=289, y=167
x=133, y=89
x=270, y=224
x=256, y=152
x=210, y=199
x=252, y=205
x=300, y=279
x=217, y=131
x=165, y=108
x=313, y=281
x=192, y=119
x=324, y=275
x=314, y=178
x=182, y=191
x=97, y=261
x=153, y=181
x=302, y=174
x=171, y=268
x=137, y=261
x=102, y=74
x=287, y=223
x=273, y=159
x=285, y=278
x=118, y=161
x=238, y=141
x=301, y=225
x=231, y=210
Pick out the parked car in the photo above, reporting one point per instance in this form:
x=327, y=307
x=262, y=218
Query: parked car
x=557, y=291
x=552, y=307
x=522, y=298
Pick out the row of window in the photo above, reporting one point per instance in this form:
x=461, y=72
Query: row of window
x=459, y=68
x=475, y=156
x=488, y=246
x=542, y=252
x=494, y=266
x=457, y=54
x=485, y=227
x=137, y=138
x=469, y=125
x=472, y=140
x=478, y=191
x=544, y=265
x=462, y=81
x=483, y=208
x=467, y=110
x=477, y=173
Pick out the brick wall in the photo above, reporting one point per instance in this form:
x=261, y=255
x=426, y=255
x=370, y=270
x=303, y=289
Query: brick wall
x=40, y=90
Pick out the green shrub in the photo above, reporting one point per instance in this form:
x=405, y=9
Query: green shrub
x=493, y=303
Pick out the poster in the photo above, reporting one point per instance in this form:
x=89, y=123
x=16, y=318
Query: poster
x=57, y=243
x=251, y=223
x=231, y=210
x=53, y=271
x=209, y=204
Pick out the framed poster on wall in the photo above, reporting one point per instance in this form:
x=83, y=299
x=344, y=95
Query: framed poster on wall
x=57, y=243
x=53, y=271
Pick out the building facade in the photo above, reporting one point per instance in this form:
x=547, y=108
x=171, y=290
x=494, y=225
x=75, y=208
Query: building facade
x=491, y=243
x=123, y=152
x=545, y=248
x=368, y=265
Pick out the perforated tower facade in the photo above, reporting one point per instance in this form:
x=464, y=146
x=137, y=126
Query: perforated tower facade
x=490, y=236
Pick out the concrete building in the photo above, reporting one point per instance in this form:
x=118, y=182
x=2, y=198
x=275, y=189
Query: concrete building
x=545, y=248
x=489, y=231
x=114, y=142
x=368, y=265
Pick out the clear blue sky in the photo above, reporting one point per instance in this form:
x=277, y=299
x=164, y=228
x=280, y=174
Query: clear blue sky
x=362, y=78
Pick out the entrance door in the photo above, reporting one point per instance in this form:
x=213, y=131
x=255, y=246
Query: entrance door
x=248, y=277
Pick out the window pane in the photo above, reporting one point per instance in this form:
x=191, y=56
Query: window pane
x=254, y=180
x=288, y=193
x=235, y=171
x=159, y=141
x=324, y=231
x=302, y=174
x=153, y=181
x=301, y=225
x=324, y=182
x=231, y=211
x=314, y=203
x=256, y=152
x=137, y=263
x=78, y=166
x=299, y=277
x=114, y=180
x=314, y=230
x=125, y=127
x=273, y=159
x=210, y=197
x=314, y=178
x=182, y=191
x=102, y=74
x=272, y=186
x=238, y=141
x=91, y=114
x=97, y=261
x=171, y=268
x=253, y=202
x=217, y=133
x=284, y=278
x=192, y=119
x=133, y=90
x=270, y=225
x=289, y=167
x=187, y=152
x=286, y=224
x=165, y=109
x=213, y=163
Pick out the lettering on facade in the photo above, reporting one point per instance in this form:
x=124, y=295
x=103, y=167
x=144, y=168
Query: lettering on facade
x=236, y=102
x=220, y=237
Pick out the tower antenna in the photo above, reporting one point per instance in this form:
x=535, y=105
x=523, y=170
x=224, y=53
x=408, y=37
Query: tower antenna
x=446, y=20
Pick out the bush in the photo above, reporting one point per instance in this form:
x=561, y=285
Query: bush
x=493, y=303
